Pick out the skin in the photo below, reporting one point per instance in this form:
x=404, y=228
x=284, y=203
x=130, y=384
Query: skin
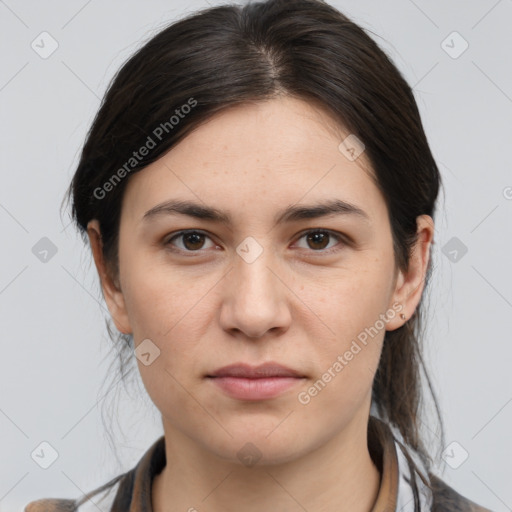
x=297, y=304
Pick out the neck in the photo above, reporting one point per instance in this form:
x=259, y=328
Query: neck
x=337, y=476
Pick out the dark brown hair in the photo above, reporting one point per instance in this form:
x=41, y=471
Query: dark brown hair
x=229, y=55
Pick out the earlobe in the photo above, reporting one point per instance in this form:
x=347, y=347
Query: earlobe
x=112, y=292
x=410, y=284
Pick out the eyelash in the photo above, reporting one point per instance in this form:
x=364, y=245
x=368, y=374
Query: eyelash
x=334, y=234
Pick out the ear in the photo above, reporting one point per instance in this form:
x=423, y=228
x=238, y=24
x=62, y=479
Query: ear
x=409, y=284
x=111, y=291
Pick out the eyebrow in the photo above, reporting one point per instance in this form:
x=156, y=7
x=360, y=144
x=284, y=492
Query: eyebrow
x=290, y=214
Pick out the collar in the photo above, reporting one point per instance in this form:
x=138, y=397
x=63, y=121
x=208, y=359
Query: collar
x=402, y=486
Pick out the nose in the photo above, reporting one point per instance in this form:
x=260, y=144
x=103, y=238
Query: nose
x=256, y=298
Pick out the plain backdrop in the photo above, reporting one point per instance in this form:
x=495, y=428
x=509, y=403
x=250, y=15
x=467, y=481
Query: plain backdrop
x=55, y=350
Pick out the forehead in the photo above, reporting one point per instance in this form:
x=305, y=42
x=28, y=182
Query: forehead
x=257, y=155
x=287, y=128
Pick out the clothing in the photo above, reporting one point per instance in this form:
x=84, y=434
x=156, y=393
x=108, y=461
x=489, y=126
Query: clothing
x=402, y=487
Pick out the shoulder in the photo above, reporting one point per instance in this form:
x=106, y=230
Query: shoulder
x=118, y=493
x=102, y=501
x=51, y=505
x=431, y=491
x=447, y=499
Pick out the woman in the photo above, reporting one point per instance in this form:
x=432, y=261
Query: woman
x=267, y=267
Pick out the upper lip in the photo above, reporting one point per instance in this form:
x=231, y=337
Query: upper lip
x=243, y=370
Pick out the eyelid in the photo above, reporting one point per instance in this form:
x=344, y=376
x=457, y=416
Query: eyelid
x=339, y=236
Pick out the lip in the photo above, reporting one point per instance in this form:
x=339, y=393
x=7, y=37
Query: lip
x=245, y=382
x=246, y=371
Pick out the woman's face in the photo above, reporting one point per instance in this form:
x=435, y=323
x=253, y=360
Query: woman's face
x=312, y=292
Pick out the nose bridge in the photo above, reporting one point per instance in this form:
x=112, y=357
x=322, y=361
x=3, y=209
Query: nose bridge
x=255, y=280
x=255, y=300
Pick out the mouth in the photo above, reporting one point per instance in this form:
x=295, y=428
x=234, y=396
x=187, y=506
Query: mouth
x=246, y=371
x=245, y=382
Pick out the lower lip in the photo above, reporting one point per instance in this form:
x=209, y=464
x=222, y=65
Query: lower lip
x=254, y=389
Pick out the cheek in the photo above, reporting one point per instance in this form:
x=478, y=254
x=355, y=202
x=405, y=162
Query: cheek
x=346, y=370
x=172, y=310
x=171, y=393
x=350, y=300
x=348, y=340
x=176, y=326
x=340, y=400
x=160, y=299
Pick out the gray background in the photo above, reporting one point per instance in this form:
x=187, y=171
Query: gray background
x=54, y=343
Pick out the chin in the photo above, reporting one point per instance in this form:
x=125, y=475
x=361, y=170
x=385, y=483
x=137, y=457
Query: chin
x=258, y=448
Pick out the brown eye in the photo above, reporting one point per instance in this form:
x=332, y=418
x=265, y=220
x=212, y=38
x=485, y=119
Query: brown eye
x=318, y=240
x=191, y=241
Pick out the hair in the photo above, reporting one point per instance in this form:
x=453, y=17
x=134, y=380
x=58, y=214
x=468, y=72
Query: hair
x=229, y=55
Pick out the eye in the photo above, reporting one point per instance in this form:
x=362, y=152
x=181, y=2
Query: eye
x=319, y=239
x=192, y=240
